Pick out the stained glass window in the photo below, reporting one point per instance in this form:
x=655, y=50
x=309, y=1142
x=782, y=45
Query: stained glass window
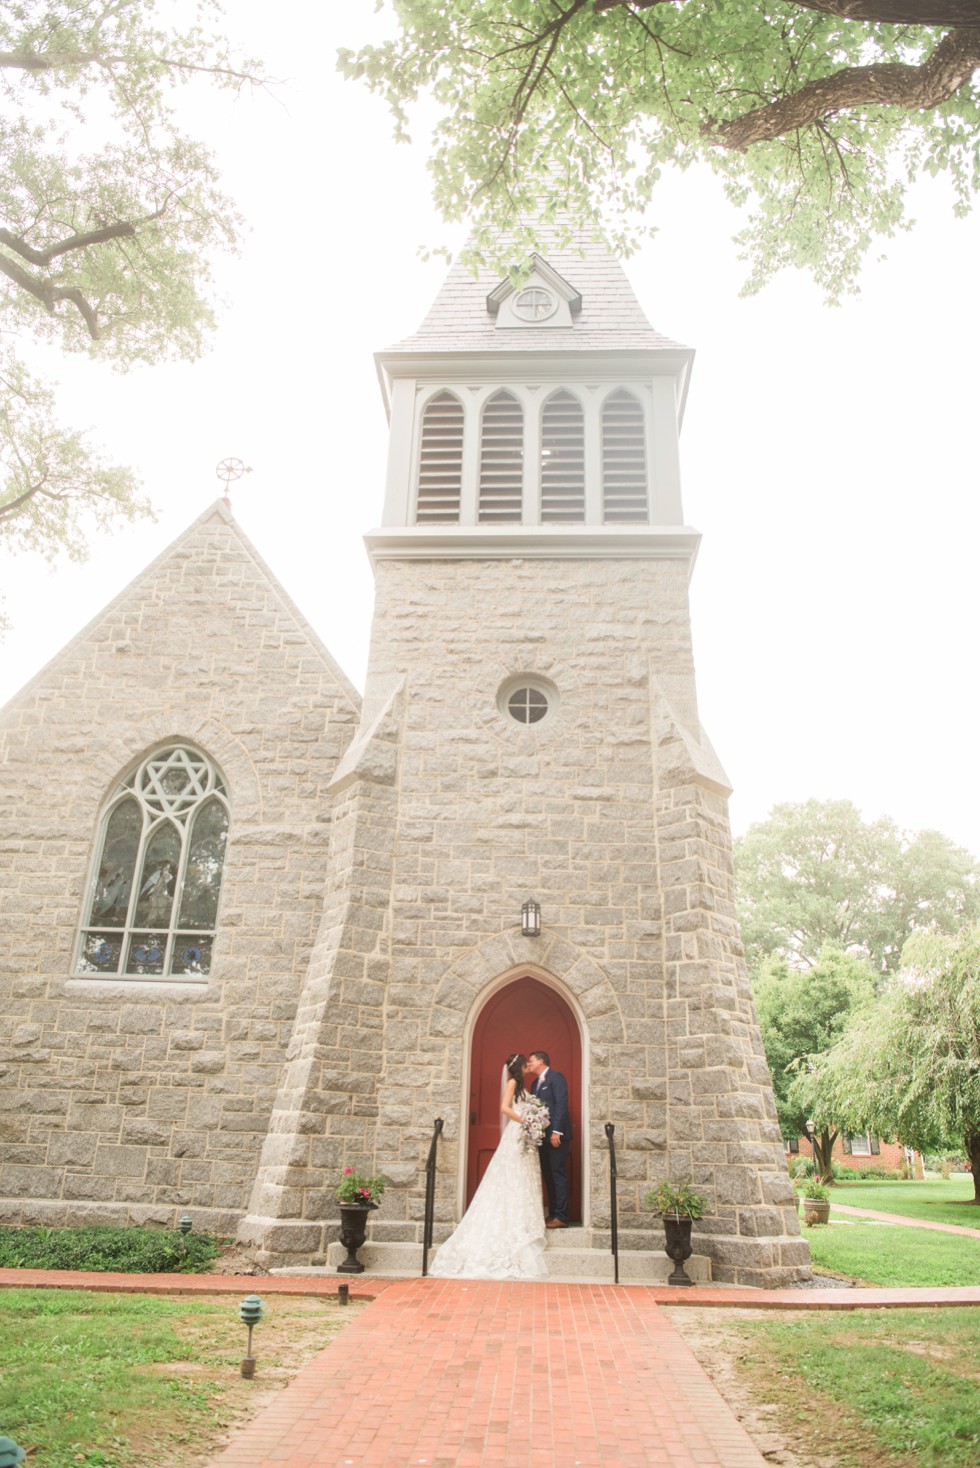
x=153, y=903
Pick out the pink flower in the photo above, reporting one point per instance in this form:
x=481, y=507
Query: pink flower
x=348, y=1171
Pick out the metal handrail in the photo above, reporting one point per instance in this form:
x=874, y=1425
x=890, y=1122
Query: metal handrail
x=430, y=1195
x=613, y=1206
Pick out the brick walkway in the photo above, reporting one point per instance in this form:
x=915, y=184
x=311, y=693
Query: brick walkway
x=468, y=1374
x=472, y=1374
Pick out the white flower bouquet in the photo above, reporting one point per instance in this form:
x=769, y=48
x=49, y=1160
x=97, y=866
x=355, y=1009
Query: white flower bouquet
x=535, y=1117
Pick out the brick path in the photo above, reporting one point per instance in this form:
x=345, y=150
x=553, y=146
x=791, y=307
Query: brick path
x=467, y=1374
x=473, y=1374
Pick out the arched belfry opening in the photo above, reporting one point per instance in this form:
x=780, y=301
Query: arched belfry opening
x=524, y=1015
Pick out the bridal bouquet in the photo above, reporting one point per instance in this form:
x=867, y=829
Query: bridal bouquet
x=535, y=1117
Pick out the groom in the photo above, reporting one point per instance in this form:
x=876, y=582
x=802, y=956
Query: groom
x=551, y=1087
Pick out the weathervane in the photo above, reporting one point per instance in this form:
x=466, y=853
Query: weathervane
x=228, y=471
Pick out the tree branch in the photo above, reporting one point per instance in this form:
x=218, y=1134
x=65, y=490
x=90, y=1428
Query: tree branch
x=73, y=242
x=945, y=13
x=51, y=295
x=884, y=84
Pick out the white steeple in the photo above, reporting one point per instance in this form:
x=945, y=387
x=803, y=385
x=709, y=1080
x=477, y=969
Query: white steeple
x=540, y=419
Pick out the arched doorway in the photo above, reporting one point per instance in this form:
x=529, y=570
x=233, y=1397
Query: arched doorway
x=524, y=1015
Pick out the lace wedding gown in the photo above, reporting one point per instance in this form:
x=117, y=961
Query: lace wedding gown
x=501, y=1235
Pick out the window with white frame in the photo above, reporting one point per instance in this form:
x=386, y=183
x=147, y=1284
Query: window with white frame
x=502, y=460
x=440, y=461
x=562, y=459
x=624, y=460
x=153, y=903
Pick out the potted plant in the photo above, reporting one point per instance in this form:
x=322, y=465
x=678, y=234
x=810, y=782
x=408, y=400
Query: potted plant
x=357, y=1196
x=816, y=1201
x=678, y=1205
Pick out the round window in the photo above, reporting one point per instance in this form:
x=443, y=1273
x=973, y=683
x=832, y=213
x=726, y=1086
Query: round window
x=535, y=304
x=527, y=699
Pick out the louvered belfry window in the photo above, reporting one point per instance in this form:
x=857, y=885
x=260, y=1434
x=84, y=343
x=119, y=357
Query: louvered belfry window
x=562, y=459
x=502, y=460
x=624, y=460
x=440, y=461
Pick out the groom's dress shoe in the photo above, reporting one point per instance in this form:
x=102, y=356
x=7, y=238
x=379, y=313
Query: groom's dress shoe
x=556, y=1223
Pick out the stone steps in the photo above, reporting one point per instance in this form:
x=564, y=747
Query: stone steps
x=570, y=1255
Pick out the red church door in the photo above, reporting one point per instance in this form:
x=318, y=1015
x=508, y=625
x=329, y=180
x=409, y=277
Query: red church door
x=526, y=1015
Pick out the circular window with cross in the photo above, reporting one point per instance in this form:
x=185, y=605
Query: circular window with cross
x=527, y=699
x=535, y=304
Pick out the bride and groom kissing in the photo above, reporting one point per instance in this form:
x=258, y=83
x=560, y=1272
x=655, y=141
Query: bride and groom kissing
x=502, y=1233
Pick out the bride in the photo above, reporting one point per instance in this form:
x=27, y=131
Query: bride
x=501, y=1235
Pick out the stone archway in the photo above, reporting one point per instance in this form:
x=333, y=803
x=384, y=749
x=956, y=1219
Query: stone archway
x=524, y=1014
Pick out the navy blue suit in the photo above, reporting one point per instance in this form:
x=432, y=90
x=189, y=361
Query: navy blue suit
x=552, y=1089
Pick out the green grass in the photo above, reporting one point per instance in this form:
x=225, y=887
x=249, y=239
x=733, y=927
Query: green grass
x=938, y=1200
x=76, y=1378
x=142, y=1381
x=893, y=1255
x=873, y=1387
x=125, y=1250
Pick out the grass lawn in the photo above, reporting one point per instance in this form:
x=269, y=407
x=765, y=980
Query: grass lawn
x=874, y=1387
x=139, y=1381
x=891, y=1254
x=938, y=1200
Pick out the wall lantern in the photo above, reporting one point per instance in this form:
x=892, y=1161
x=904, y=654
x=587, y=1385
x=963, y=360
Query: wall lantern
x=531, y=919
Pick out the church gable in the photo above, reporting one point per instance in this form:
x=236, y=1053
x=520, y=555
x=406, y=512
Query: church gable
x=146, y=1009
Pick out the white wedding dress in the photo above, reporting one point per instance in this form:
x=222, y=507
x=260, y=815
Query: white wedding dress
x=501, y=1234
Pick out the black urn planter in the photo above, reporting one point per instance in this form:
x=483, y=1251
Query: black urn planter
x=678, y=1247
x=353, y=1227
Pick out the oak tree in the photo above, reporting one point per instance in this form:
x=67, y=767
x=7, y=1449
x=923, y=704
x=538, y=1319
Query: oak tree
x=816, y=113
x=802, y=1014
x=110, y=217
x=817, y=873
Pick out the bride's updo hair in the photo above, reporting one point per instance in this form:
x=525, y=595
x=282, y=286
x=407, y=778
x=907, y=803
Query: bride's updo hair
x=516, y=1066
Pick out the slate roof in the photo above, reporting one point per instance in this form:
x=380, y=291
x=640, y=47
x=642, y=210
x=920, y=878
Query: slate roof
x=610, y=319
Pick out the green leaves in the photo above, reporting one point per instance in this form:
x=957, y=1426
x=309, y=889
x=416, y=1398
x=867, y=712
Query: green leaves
x=105, y=249
x=816, y=123
x=816, y=873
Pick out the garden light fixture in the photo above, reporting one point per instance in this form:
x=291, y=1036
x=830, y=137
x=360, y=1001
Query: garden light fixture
x=250, y=1312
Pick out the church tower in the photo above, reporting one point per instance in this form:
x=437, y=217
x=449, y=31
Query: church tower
x=530, y=729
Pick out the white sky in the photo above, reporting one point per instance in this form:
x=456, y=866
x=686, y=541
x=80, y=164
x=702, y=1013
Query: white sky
x=829, y=456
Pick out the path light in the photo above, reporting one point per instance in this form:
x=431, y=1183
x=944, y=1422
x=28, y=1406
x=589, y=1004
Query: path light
x=531, y=919
x=186, y=1224
x=10, y=1453
x=250, y=1312
x=343, y=1294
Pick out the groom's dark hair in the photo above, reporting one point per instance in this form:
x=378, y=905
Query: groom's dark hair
x=542, y=1055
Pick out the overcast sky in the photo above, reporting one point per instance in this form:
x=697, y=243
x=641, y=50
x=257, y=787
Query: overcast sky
x=829, y=456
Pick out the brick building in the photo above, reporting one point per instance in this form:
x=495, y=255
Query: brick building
x=259, y=928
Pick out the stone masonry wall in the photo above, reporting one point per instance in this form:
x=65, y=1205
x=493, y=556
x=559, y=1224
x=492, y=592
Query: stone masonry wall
x=132, y=1101
x=625, y=845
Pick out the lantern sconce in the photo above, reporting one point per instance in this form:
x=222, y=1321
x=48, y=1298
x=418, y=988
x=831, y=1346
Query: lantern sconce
x=531, y=919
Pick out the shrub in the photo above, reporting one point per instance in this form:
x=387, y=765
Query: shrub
x=811, y=1188
x=676, y=1200
x=102, y=1250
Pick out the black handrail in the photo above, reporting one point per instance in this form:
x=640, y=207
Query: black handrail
x=613, y=1207
x=430, y=1195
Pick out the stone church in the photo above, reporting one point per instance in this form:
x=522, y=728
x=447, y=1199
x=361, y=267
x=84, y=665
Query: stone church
x=259, y=927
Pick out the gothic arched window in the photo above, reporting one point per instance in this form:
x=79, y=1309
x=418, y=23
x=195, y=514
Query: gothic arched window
x=440, y=461
x=153, y=904
x=502, y=460
x=624, y=460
